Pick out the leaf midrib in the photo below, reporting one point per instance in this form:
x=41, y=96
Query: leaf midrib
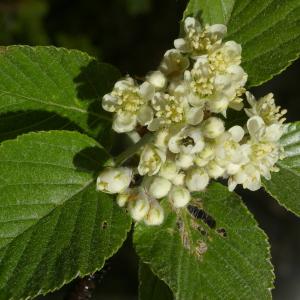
x=49, y=103
x=50, y=211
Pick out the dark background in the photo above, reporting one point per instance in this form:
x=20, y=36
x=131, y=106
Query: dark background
x=133, y=35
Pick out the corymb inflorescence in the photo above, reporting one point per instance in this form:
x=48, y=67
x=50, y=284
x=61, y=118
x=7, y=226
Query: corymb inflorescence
x=183, y=105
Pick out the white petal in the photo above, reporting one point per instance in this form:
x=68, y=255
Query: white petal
x=147, y=91
x=191, y=23
x=124, y=122
x=194, y=115
x=109, y=103
x=237, y=133
x=181, y=45
x=145, y=115
x=157, y=79
x=155, y=124
x=124, y=83
x=173, y=144
x=256, y=127
x=273, y=133
x=218, y=29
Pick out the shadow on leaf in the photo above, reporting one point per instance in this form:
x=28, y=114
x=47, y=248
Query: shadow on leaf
x=13, y=124
x=90, y=159
x=93, y=82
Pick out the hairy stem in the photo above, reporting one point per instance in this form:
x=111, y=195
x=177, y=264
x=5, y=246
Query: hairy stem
x=128, y=153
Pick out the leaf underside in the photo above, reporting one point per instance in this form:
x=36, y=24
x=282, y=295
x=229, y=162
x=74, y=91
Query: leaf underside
x=213, y=251
x=284, y=185
x=54, y=226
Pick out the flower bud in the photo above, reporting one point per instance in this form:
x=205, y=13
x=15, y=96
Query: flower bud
x=139, y=206
x=114, y=180
x=162, y=138
x=213, y=127
x=179, y=179
x=159, y=187
x=179, y=196
x=155, y=215
x=151, y=160
x=174, y=63
x=196, y=179
x=184, y=161
x=157, y=79
x=214, y=170
x=207, y=154
x=168, y=170
x=122, y=199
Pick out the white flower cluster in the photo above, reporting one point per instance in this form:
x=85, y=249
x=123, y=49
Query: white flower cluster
x=184, y=104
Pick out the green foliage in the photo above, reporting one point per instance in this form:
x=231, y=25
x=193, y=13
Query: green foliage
x=217, y=251
x=285, y=185
x=151, y=287
x=54, y=225
x=66, y=85
x=210, y=11
x=269, y=32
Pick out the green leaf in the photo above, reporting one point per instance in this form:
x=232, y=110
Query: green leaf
x=284, y=186
x=66, y=83
x=151, y=287
x=269, y=32
x=54, y=226
x=213, y=251
x=210, y=11
x=13, y=124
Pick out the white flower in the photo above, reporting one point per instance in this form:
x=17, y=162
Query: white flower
x=248, y=176
x=168, y=170
x=266, y=109
x=199, y=40
x=227, y=90
x=229, y=154
x=151, y=160
x=212, y=127
x=260, y=132
x=157, y=79
x=196, y=179
x=157, y=186
x=168, y=110
x=173, y=63
x=130, y=104
x=139, y=205
x=200, y=82
x=114, y=180
x=188, y=140
x=179, y=196
x=263, y=152
x=155, y=216
x=225, y=55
